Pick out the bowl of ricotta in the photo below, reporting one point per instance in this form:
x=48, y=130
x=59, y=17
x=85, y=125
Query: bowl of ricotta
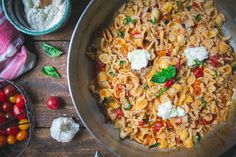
x=37, y=17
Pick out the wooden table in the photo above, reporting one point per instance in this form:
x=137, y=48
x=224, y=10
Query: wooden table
x=41, y=87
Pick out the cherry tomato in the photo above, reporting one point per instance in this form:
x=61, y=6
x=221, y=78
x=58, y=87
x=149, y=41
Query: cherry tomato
x=22, y=135
x=9, y=115
x=3, y=141
x=53, y=102
x=12, y=130
x=23, y=124
x=157, y=126
x=2, y=118
x=3, y=132
x=215, y=61
x=3, y=97
x=198, y=72
x=19, y=113
x=10, y=90
x=119, y=113
x=7, y=107
x=11, y=139
x=20, y=101
x=12, y=99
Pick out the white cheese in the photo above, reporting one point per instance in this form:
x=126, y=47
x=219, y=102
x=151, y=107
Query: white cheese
x=138, y=59
x=167, y=110
x=43, y=18
x=191, y=54
x=64, y=129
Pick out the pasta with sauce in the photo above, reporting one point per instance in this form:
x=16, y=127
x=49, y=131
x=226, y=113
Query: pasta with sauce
x=164, y=71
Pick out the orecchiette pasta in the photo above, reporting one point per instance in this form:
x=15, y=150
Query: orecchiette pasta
x=133, y=98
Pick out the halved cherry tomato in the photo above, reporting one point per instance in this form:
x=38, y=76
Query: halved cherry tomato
x=196, y=5
x=119, y=113
x=3, y=141
x=11, y=139
x=158, y=126
x=215, y=61
x=22, y=135
x=134, y=32
x=198, y=72
x=23, y=124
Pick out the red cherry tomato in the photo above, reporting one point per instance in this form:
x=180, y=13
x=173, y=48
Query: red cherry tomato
x=215, y=61
x=3, y=97
x=19, y=112
x=2, y=118
x=3, y=132
x=20, y=101
x=10, y=90
x=3, y=141
x=157, y=126
x=198, y=72
x=9, y=115
x=13, y=130
x=7, y=107
x=119, y=113
x=53, y=102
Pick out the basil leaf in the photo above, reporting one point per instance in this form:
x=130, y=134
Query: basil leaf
x=121, y=34
x=172, y=70
x=50, y=50
x=122, y=63
x=197, y=62
x=112, y=74
x=189, y=8
x=50, y=71
x=106, y=100
x=154, y=145
x=198, y=18
x=158, y=78
x=234, y=67
x=153, y=21
x=128, y=106
x=203, y=102
x=145, y=86
x=128, y=20
x=197, y=139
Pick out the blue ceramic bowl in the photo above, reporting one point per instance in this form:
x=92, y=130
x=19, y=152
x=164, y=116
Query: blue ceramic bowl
x=14, y=11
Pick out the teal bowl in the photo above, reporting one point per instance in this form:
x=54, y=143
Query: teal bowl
x=14, y=12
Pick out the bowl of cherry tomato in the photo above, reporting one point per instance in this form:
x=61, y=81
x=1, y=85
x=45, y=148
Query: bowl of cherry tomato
x=16, y=119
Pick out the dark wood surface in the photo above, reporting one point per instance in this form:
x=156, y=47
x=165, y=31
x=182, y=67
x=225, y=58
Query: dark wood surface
x=40, y=87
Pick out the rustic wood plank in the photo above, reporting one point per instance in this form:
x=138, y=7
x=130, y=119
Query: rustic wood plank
x=65, y=32
x=40, y=87
x=83, y=145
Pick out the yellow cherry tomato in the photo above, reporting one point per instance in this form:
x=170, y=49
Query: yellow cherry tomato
x=22, y=135
x=12, y=99
x=23, y=124
x=11, y=139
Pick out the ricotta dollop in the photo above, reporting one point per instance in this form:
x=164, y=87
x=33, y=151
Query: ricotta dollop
x=192, y=54
x=138, y=59
x=167, y=111
x=64, y=129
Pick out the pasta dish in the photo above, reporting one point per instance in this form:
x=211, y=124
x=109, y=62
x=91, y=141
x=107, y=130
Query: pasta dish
x=164, y=71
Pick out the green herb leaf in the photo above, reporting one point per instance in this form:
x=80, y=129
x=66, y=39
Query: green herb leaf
x=162, y=92
x=189, y=8
x=145, y=86
x=234, y=67
x=121, y=34
x=164, y=75
x=112, y=74
x=106, y=101
x=203, y=102
x=50, y=71
x=128, y=106
x=122, y=63
x=198, y=18
x=50, y=50
x=128, y=20
x=197, y=62
x=197, y=139
x=153, y=21
x=154, y=145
